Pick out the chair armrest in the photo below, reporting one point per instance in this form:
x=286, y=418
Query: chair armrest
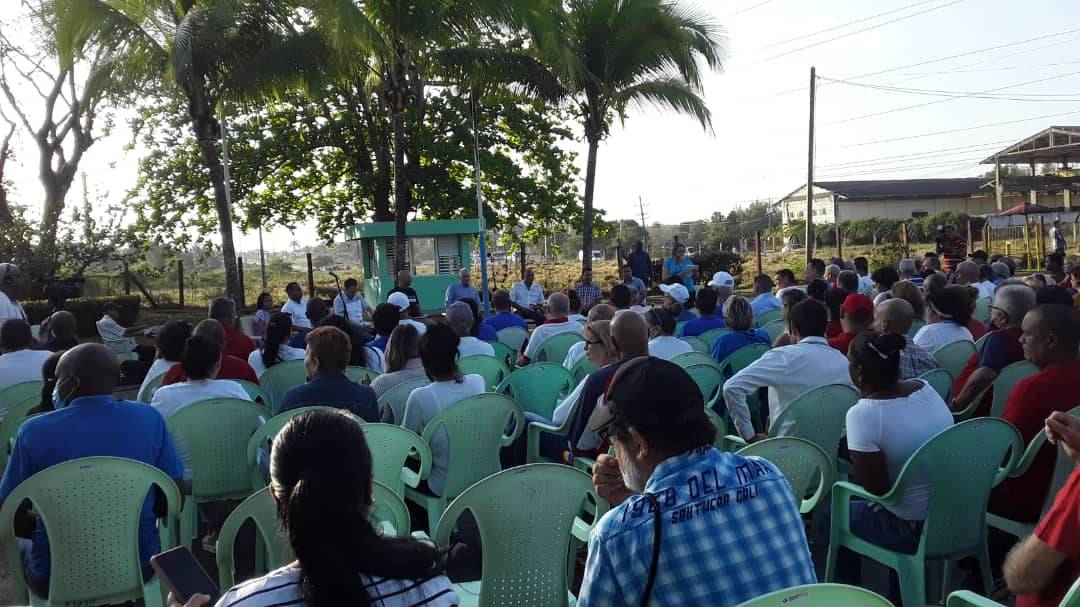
x=533, y=432
x=848, y=490
x=423, y=537
x=1029, y=455
x=732, y=442
x=967, y=598
x=410, y=477
x=969, y=410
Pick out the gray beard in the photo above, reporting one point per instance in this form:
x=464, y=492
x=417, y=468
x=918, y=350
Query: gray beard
x=630, y=474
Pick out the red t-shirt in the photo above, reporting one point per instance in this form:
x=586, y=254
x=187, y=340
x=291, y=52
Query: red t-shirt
x=1033, y=400
x=231, y=368
x=1001, y=349
x=977, y=329
x=842, y=342
x=833, y=329
x=237, y=344
x=1060, y=529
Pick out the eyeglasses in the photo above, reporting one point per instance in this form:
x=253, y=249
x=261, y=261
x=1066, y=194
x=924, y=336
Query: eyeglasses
x=592, y=343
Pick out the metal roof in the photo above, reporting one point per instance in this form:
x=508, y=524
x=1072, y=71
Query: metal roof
x=1055, y=144
x=879, y=189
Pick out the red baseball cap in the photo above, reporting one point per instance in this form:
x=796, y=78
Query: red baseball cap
x=859, y=306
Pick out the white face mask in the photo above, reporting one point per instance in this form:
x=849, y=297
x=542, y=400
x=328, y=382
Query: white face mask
x=630, y=474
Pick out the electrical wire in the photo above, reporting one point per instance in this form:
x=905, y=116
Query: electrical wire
x=963, y=94
x=950, y=131
x=748, y=9
x=964, y=162
x=841, y=26
x=991, y=69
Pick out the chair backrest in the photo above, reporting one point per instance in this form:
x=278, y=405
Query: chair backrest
x=260, y=509
x=686, y=359
x=1063, y=464
x=216, y=433
x=742, y=358
x=712, y=335
x=476, y=431
x=504, y=353
x=360, y=375
x=388, y=508
x=952, y=357
x=915, y=326
x=1006, y=381
x=278, y=379
x=13, y=419
x=940, y=380
x=538, y=387
x=267, y=432
x=1072, y=597
x=774, y=329
x=722, y=427
x=982, y=310
x=819, y=595
x=15, y=394
x=698, y=344
x=391, y=446
x=91, y=507
x=491, y=368
x=819, y=415
x=554, y=348
x=961, y=464
x=147, y=392
x=979, y=343
x=802, y=463
x=513, y=337
x=117, y=346
x=582, y=368
x=766, y=317
x=396, y=398
x=709, y=380
x=539, y=506
x=256, y=393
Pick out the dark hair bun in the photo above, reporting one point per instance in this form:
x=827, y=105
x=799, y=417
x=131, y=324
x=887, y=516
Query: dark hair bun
x=889, y=343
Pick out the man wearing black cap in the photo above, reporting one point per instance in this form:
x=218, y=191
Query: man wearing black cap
x=689, y=525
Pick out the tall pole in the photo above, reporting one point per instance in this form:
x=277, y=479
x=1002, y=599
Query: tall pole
x=484, y=298
x=644, y=228
x=810, y=171
x=227, y=166
x=262, y=257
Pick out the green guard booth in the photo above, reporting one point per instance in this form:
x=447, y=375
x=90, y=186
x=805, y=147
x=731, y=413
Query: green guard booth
x=437, y=249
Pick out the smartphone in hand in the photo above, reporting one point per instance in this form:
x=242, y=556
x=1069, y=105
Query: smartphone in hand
x=183, y=575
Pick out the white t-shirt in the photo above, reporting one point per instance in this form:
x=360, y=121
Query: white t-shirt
x=423, y=404
x=471, y=346
x=356, y=306
x=174, y=397
x=527, y=296
x=866, y=286
x=284, y=353
x=578, y=318
x=897, y=428
x=986, y=289
x=18, y=367
x=10, y=308
x=548, y=330
x=573, y=355
x=588, y=440
x=282, y=587
x=933, y=336
x=421, y=328
x=112, y=331
x=160, y=367
x=298, y=311
x=668, y=347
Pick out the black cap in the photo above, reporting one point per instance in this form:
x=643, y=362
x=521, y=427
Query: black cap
x=650, y=392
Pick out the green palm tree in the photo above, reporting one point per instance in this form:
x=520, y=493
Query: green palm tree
x=619, y=53
x=208, y=51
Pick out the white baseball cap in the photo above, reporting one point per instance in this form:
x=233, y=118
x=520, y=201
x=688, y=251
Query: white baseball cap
x=677, y=292
x=399, y=299
x=722, y=279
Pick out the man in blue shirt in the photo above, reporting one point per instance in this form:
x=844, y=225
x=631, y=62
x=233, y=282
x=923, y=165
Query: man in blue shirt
x=730, y=529
x=462, y=290
x=707, y=318
x=88, y=422
x=503, y=317
x=384, y=320
x=764, y=301
x=640, y=264
x=328, y=353
x=635, y=283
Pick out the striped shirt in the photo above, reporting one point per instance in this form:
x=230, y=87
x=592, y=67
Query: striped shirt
x=281, y=588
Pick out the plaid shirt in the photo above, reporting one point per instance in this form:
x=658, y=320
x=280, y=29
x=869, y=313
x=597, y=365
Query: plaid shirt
x=589, y=293
x=731, y=532
x=915, y=360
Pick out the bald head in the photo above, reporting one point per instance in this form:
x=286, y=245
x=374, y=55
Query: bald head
x=967, y=272
x=558, y=305
x=87, y=370
x=630, y=334
x=1011, y=304
x=601, y=312
x=63, y=324
x=894, y=316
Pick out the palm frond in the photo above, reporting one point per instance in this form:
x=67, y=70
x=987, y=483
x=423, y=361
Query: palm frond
x=672, y=93
x=495, y=66
x=82, y=23
x=289, y=64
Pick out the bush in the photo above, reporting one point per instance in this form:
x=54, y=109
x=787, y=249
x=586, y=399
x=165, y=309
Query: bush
x=711, y=262
x=87, y=311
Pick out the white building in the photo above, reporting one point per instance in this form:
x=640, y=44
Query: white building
x=891, y=198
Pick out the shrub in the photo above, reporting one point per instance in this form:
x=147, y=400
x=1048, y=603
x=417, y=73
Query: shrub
x=711, y=262
x=87, y=311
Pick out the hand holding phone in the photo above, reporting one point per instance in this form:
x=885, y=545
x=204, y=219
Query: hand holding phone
x=185, y=577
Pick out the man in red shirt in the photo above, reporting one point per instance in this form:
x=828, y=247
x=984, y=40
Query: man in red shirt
x=1042, y=568
x=856, y=315
x=231, y=366
x=223, y=310
x=1000, y=349
x=1050, y=341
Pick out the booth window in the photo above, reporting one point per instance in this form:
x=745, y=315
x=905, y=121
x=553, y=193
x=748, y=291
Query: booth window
x=423, y=256
x=449, y=254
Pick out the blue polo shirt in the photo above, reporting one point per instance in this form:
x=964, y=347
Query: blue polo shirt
x=92, y=426
x=379, y=342
x=334, y=390
x=501, y=320
x=729, y=342
x=701, y=324
x=685, y=315
x=458, y=291
x=487, y=332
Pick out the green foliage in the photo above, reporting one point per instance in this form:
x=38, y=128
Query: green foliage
x=737, y=228
x=716, y=260
x=87, y=311
x=888, y=254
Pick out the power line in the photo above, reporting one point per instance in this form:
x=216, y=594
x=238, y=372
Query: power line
x=748, y=9
x=949, y=131
x=991, y=69
x=903, y=161
x=963, y=94
x=859, y=31
x=841, y=26
x=964, y=162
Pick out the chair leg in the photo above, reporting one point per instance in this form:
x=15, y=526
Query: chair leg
x=946, y=579
x=188, y=522
x=984, y=570
x=830, y=560
x=912, y=574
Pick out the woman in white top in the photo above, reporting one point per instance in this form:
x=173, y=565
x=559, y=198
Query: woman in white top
x=201, y=361
x=438, y=352
x=170, y=345
x=321, y=474
x=662, y=341
x=600, y=311
x=275, y=347
x=402, y=361
x=888, y=424
x=947, y=313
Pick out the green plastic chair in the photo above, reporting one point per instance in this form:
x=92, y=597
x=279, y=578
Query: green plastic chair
x=967, y=598
x=389, y=514
x=1002, y=387
x=476, y=429
x=979, y=343
x=540, y=506
x=395, y=399
x=391, y=446
x=554, y=348
x=686, y=359
x=915, y=326
x=272, y=548
x=742, y=358
x=819, y=416
x=802, y=463
x=360, y=375
x=535, y=429
x=269, y=430
x=678, y=327
x=122, y=356
x=982, y=310
x=819, y=595
x=941, y=381
x=216, y=433
x=709, y=379
x=490, y=368
x=256, y=392
x=1063, y=466
x=91, y=507
x=712, y=335
x=721, y=426
x=538, y=387
x=147, y=393
x=952, y=357
x=504, y=353
x=582, y=369
x=774, y=329
x=698, y=344
x=13, y=420
x=278, y=379
x=13, y=395
x=765, y=318
x=513, y=337
x=961, y=464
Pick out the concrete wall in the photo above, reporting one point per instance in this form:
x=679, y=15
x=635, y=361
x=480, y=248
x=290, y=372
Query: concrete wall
x=900, y=208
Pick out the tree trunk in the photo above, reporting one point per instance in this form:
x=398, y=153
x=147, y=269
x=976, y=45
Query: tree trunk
x=207, y=133
x=401, y=193
x=381, y=201
x=587, y=221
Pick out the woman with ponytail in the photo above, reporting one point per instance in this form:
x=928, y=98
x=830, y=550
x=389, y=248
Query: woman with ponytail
x=892, y=419
x=320, y=479
x=276, y=344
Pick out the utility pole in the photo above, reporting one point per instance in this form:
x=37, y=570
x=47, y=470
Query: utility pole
x=644, y=228
x=810, y=172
